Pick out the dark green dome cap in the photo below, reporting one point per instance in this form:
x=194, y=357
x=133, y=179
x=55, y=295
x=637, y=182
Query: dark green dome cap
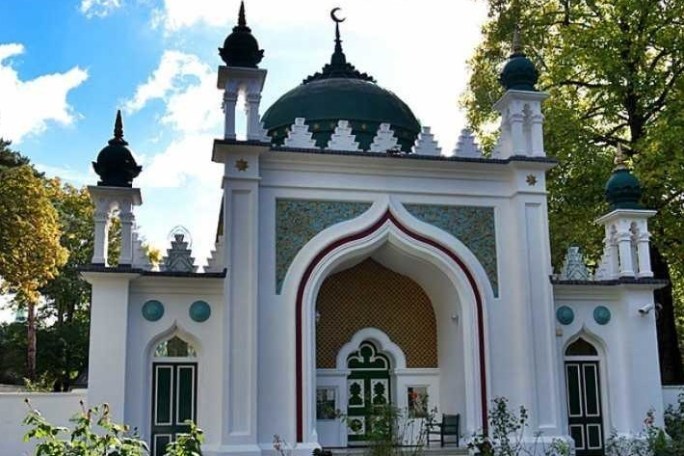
x=241, y=49
x=519, y=73
x=341, y=92
x=115, y=163
x=623, y=190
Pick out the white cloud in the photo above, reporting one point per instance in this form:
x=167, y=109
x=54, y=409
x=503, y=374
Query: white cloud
x=423, y=60
x=27, y=106
x=99, y=8
x=186, y=85
x=181, y=184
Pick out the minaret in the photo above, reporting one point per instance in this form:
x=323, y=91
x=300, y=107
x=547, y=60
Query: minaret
x=520, y=107
x=627, y=240
x=241, y=76
x=117, y=168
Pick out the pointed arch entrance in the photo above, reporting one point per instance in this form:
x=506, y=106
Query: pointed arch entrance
x=388, y=228
x=585, y=404
x=174, y=391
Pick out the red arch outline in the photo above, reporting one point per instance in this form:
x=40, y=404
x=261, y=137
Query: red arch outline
x=387, y=216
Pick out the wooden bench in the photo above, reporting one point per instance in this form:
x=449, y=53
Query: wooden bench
x=450, y=426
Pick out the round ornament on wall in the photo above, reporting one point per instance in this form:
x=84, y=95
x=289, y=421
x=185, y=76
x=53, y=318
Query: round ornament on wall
x=602, y=315
x=200, y=311
x=565, y=315
x=152, y=310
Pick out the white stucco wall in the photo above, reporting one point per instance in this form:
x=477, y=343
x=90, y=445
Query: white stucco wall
x=57, y=408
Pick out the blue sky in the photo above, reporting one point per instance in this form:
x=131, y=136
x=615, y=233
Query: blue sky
x=67, y=65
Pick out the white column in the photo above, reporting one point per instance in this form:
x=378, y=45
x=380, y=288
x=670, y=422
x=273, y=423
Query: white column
x=101, y=238
x=516, y=120
x=229, y=103
x=537, y=131
x=252, y=111
x=108, y=338
x=624, y=241
x=644, y=254
x=127, y=218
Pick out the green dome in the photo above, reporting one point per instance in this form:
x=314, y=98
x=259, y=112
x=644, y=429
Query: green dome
x=519, y=73
x=115, y=163
x=623, y=190
x=323, y=102
x=341, y=92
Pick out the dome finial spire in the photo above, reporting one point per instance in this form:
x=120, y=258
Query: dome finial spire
x=242, y=22
x=516, y=46
x=620, y=161
x=338, y=57
x=118, y=126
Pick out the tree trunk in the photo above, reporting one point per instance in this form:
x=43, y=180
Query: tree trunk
x=31, y=341
x=671, y=371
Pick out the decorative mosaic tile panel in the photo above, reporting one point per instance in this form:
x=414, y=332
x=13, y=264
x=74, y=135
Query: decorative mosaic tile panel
x=472, y=225
x=370, y=295
x=298, y=221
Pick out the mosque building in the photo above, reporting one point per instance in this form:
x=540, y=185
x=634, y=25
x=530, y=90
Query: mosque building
x=357, y=265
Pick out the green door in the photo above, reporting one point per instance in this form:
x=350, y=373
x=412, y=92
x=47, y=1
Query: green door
x=584, y=407
x=174, y=401
x=368, y=387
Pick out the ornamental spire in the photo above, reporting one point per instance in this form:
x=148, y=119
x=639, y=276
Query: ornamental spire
x=242, y=22
x=338, y=66
x=118, y=127
x=241, y=49
x=620, y=160
x=516, y=45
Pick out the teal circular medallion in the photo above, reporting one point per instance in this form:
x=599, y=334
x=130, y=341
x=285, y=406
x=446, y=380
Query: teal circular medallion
x=602, y=315
x=565, y=315
x=200, y=311
x=152, y=310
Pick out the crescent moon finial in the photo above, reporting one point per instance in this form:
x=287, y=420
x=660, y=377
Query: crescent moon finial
x=335, y=18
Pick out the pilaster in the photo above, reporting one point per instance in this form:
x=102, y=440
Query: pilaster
x=108, y=337
x=241, y=221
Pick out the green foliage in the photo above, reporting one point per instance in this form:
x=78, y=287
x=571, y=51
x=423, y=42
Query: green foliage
x=95, y=434
x=109, y=438
x=10, y=158
x=614, y=72
x=507, y=430
x=390, y=428
x=187, y=444
x=30, y=253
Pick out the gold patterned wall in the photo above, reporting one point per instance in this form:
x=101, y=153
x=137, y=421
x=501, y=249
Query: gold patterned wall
x=370, y=295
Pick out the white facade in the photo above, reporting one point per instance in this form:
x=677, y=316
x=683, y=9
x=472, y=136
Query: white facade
x=471, y=232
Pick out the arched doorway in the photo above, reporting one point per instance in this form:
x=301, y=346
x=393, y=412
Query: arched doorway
x=583, y=382
x=368, y=387
x=453, y=272
x=174, y=391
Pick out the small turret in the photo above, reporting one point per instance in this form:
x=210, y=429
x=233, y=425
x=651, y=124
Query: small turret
x=518, y=73
x=623, y=190
x=115, y=163
x=241, y=49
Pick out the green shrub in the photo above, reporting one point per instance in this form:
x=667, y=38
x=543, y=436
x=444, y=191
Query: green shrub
x=95, y=434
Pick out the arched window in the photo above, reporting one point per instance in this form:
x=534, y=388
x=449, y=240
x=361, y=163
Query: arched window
x=175, y=347
x=581, y=347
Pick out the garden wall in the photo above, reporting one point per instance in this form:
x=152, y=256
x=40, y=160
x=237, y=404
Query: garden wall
x=56, y=407
x=671, y=393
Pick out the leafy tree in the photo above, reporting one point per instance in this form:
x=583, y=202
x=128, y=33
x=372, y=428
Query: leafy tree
x=30, y=253
x=614, y=70
x=10, y=158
